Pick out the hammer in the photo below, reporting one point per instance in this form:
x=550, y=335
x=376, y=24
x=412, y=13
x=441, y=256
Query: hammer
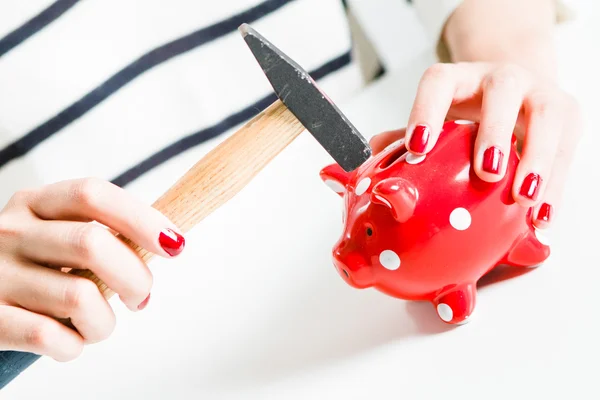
x=230, y=166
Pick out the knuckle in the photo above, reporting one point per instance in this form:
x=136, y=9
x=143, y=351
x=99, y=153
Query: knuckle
x=544, y=104
x=42, y=336
x=87, y=191
x=21, y=197
x=79, y=294
x=438, y=71
x=87, y=240
x=9, y=229
x=505, y=77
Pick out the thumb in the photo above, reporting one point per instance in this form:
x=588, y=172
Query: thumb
x=381, y=141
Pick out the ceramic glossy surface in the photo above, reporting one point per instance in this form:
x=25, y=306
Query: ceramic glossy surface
x=427, y=228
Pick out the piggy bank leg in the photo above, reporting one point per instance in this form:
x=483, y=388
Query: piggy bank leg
x=456, y=305
x=531, y=251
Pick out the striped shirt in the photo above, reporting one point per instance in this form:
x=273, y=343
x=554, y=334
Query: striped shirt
x=116, y=89
x=131, y=90
x=119, y=88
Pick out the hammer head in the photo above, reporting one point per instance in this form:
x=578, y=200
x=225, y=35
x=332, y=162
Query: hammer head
x=313, y=108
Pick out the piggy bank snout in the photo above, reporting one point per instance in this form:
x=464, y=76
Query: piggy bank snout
x=352, y=266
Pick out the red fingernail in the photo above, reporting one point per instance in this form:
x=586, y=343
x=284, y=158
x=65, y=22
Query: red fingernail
x=531, y=185
x=171, y=242
x=144, y=303
x=419, y=139
x=492, y=160
x=545, y=213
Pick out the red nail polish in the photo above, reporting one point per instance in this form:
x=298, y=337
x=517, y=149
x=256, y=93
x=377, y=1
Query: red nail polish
x=531, y=185
x=545, y=213
x=419, y=139
x=171, y=242
x=492, y=160
x=144, y=303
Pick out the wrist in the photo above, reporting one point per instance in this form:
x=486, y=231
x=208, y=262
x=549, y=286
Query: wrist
x=533, y=51
x=504, y=31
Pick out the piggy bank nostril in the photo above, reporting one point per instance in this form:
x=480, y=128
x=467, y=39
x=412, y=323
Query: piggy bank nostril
x=340, y=248
x=346, y=273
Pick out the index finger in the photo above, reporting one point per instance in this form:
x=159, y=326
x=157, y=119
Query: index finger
x=440, y=87
x=112, y=206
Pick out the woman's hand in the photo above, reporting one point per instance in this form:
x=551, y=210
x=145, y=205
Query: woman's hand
x=47, y=230
x=504, y=99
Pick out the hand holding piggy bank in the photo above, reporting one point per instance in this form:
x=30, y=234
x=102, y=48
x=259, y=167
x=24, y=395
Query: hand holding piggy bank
x=427, y=228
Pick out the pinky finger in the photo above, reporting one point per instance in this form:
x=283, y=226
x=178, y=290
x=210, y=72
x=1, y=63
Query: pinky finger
x=22, y=330
x=545, y=211
x=546, y=120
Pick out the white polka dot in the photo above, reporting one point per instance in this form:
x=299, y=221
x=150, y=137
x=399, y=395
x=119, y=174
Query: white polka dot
x=389, y=259
x=542, y=238
x=463, y=122
x=335, y=186
x=362, y=186
x=413, y=159
x=460, y=219
x=445, y=312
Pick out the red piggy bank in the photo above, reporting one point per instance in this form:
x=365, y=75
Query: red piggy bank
x=427, y=228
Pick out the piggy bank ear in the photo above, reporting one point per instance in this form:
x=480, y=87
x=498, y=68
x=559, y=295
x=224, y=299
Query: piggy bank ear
x=398, y=195
x=336, y=178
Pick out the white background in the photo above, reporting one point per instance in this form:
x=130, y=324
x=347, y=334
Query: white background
x=253, y=309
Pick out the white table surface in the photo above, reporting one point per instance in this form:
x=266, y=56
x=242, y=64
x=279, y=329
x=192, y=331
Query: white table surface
x=254, y=309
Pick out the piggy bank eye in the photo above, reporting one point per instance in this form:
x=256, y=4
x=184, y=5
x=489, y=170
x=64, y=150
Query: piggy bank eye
x=369, y=231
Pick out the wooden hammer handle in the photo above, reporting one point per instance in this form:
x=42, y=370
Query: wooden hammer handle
x=220, y=175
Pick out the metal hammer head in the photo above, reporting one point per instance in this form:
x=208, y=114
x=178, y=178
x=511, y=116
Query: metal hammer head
x=300, y=94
